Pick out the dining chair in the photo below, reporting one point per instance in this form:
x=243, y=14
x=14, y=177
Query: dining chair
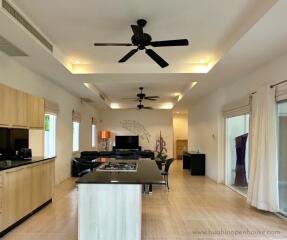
x=165, y=172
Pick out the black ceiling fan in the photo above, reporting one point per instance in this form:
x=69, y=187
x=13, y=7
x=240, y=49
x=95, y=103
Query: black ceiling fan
x=142, y=96
x=140, y=106
x=141, y=40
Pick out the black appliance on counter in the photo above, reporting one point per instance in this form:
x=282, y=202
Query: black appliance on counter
x=12, y=141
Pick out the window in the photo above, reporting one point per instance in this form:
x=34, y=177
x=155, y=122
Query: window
x=237, y=152
x=282, y=154
x=94, y=135
x=76, y=136
x=50, y=135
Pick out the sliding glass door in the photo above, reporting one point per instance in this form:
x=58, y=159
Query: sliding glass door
x=282, y=154
x=237, y=152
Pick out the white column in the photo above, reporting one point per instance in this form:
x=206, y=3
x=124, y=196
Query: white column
x=109, y=212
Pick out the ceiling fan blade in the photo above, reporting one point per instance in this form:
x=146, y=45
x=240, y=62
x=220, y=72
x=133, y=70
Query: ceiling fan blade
x=149, y=108
x=136, y=99
x=153, y=55
x=138, y=31
x=152, y=97
x=170, y=43
x=112, y=44
x=128, y=55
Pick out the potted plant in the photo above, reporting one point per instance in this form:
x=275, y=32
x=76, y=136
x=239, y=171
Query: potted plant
x=161, y=150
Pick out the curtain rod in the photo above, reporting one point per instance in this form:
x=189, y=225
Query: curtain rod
x=274, y=85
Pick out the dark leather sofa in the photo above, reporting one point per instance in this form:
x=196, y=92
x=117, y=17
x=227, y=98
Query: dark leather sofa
x=83, y=165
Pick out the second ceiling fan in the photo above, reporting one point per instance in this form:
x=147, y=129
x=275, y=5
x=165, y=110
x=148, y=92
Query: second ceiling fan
x=141, y=40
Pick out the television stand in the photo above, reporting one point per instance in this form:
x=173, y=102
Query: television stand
x=127, y=149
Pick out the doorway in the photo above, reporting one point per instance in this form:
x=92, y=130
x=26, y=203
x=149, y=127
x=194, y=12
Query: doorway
x=237, y=152
x=180, y=134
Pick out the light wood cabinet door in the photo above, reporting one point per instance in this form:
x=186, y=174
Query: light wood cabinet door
x=13, y=107
x=17, y=195
x=10, y=197
x=42, y=183
x=36, y=186
x=21, y=109
x=6, y=105
x=36, y=111
x=24, y=192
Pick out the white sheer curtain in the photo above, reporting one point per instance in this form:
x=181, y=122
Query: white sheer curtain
x=263, y=179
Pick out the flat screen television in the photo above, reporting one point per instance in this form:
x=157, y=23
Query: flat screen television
x=12, y=140
x=127, y=142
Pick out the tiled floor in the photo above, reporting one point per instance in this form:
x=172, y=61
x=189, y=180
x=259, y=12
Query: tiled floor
x=195, y=208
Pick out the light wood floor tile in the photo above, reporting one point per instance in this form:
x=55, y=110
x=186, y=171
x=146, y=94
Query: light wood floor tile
x=193, y=204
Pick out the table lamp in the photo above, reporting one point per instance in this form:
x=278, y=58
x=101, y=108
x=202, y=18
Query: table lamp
x=105, y=140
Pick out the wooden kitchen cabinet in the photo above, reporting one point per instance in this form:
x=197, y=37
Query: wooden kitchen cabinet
x=36, y=111
x=23, y=190
x=42, y=185
x=5, y=106
x=10, y=208
x=14, y=107
x=17, y=194
x=20, y=109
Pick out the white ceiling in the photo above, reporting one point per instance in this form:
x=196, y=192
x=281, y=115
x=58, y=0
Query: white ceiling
x=73, y=26
x=222, y=29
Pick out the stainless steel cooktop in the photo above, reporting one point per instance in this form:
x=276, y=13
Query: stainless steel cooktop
x=118, y=167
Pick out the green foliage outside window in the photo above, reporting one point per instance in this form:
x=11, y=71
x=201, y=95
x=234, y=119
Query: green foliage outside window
x=47, y=123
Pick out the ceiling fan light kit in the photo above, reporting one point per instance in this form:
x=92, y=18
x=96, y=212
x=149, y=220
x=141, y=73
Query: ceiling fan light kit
x=142, y=40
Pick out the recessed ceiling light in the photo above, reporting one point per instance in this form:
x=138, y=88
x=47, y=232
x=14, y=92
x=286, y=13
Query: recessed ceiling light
x=193, y=84
x=87, y=85
x=77, y=62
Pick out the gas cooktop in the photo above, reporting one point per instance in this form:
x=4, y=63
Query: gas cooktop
x=118, y=167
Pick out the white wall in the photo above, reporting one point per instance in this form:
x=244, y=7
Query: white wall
x=19, y=77
x=154, y=122
x=180, y=128
x=88, y=112
x=205, y=116
x=203, y=128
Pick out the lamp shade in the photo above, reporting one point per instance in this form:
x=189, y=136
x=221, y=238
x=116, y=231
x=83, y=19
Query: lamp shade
x=105, y=134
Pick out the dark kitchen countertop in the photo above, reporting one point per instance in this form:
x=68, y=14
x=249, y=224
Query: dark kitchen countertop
x=193, y=152
x=8, y=164
x=147, y=173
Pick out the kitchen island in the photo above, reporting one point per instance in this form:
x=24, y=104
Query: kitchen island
x=110, y=199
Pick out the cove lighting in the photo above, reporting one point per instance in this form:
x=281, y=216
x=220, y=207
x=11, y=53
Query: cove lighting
x=115, y=106
x=167, y=105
